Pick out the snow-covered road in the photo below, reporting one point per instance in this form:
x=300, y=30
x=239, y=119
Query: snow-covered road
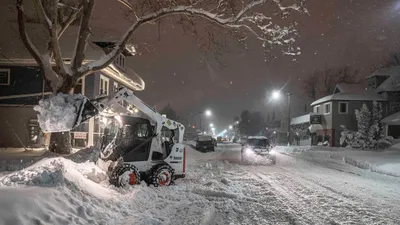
x=296, y=191
x=218, y=189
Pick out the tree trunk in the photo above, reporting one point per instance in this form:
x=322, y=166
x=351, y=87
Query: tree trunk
x=60, y=142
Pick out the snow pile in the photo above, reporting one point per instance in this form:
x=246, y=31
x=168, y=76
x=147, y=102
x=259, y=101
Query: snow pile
x=383, y=162
x=60, y=191
x=59, y=112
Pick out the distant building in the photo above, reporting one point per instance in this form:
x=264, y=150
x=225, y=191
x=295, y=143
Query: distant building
x=22, y=85
x=339, y=108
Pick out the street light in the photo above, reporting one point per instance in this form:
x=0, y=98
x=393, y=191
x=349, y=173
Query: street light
x=211, y=125
x=206, y=113
x=276, y=95
x=230, y=127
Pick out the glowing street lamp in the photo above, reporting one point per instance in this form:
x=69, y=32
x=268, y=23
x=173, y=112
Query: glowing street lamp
x=230, y=127
x=211, y=125
x=207, y=113
x=276, y=95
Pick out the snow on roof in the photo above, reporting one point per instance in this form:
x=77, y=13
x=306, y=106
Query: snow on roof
x=301, y=119
x=391, y=84
x=257, y=137
x=393, y=119
x=349, y=87
x=350, y=96
x=388, y=71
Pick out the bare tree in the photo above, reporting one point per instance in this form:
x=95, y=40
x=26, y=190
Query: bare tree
x=311, y=85
x=346, y=75
x=259, y=18
x=327, y=79
x=392, y=60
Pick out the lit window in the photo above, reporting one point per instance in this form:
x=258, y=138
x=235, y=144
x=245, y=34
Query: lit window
x=115, y=86
x=343, y=107
x=104, y=85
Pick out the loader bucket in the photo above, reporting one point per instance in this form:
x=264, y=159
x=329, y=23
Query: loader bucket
x=62, y=112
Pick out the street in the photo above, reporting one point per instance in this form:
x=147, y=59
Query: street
x=299, y=192
x=217, y=190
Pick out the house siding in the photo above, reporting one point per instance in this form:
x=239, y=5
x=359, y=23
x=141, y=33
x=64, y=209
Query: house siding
x=23, y=80
x=15, y=126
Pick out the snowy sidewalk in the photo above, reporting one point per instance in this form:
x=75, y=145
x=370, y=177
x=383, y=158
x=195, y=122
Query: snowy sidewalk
x=12, y=159
x=384, y=162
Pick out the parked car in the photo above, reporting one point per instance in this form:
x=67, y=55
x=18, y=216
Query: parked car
x=219, y=139
x=256, y=149
x=205, y=143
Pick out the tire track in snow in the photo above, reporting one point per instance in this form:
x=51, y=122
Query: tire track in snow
x=329, y=207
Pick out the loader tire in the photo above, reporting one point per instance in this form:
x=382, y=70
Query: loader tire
x=161, y=175
x=125, y=175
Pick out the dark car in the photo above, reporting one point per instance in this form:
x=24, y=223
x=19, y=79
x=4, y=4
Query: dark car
x=205, y=143
x=256, y=148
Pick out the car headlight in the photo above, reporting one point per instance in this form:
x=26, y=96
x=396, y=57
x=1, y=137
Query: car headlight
x=248, y=150
x=272, y=152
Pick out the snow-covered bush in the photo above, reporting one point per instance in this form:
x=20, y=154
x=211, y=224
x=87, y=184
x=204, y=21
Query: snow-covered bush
x=370, y=133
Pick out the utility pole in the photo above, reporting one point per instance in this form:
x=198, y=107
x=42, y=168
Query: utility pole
x=289, y=120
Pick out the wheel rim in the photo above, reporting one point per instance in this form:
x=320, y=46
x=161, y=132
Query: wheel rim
x=164, y=178
x=127, y=178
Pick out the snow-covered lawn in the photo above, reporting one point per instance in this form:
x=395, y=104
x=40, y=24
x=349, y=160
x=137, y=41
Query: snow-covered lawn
x=217, y=190
x=385, y=162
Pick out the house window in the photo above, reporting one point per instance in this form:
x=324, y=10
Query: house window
x=316, y=109
x=104, y=85
x=343, y=107
x=327, y=108
x=115, y=86
x=79, y=87
x=4, y=77
x=120, y=61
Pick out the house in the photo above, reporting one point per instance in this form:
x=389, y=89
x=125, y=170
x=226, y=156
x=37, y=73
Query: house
x=22, y=85
x=338, y=109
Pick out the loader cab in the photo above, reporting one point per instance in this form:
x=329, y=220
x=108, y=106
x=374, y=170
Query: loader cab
x=133, y=137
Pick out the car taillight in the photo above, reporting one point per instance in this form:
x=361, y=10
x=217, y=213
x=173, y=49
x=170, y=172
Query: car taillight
x=184, y=160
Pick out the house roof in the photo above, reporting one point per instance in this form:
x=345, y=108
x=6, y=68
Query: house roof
x=351, y=96
x=349, y=87
x=390, y=84
x=13, y=51
x=393, y=119
x=300, y=119
x=12, y=48
x=388, y=71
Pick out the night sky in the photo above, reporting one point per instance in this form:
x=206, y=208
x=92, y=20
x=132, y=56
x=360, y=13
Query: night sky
x=359, y=33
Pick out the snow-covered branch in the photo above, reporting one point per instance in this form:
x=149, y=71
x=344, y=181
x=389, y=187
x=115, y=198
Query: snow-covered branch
x=256, y=23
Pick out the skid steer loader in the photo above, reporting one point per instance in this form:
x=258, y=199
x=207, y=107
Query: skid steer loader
x=147, y=148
